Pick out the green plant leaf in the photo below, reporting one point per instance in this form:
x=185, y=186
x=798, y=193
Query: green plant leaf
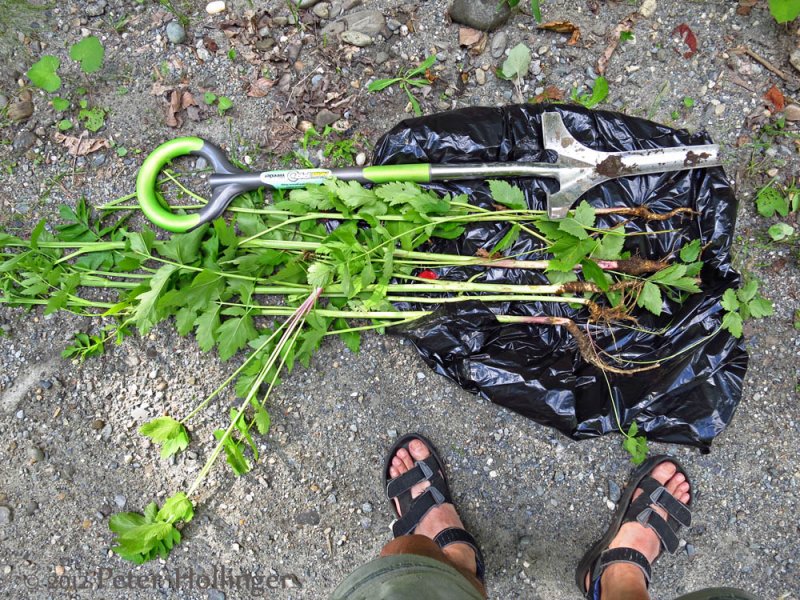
x=748, y=291
x=146, y=313
x=584, y=214
x=592, y=272
x=770, y=201
x=209, y=98
x=611, y=244
x=508, y=195
x=262, y=418
x=233, y=453
x=650, y=298
x=760, y=307
x=176, y=508
x=784, y=10
x=732, y=321
x=572, y=227
x=320, y=275
x=60, y=104
x=780, y=231
x=93, y=118
x=729, y=300
x=233, y=335
x=635, y=445
x=64, y=125
x=223, y=104
x=89, y=52
x=690, y=252
x=518, y=62
x=536, y=10
x=170, y=434
x=599, y=93
x=43, y=73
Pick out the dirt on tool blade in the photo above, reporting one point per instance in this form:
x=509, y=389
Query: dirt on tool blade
x=312, y=510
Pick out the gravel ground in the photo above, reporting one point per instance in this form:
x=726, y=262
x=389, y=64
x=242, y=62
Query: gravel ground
x=313, y=510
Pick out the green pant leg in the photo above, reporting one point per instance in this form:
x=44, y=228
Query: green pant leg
x=405, y=577
x=719, y=594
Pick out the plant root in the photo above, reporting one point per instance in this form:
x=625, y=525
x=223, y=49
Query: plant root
x=645, y=213
x=585, y=347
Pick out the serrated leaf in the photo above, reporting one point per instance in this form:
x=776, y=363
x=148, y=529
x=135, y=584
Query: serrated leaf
x=233, y=454
x=207, y=325
x=572, y=227
x=168, y=433
x=732, y=321
x=748, y=291
x=262, y=418
x=320, y=275
x=559, y=277
x=650, y=298
x=146, y=313
x=233, y=335
x=43, y=73
x=690, y=252
x=592, y=272
x=760, y=307
x=585, y=214
x=611, y=244
x=508, y=195
x=518, y=62
x=729, y=300
x=176, y=508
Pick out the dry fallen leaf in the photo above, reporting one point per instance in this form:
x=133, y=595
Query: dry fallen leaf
x=745, y=6
x=687, y=35
x=260, y=87
x=775, y=97
x=550, y=93
x=564, y=27
x=625, y=25
x=469, y=37
x=80, y=146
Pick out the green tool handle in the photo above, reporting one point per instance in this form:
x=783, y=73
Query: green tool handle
x=228, y=181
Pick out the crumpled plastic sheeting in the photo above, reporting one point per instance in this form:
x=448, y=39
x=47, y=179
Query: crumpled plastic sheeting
x=537, y=370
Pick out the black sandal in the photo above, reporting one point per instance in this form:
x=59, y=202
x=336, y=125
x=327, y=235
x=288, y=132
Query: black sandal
x=597, y=559
x=413, y=510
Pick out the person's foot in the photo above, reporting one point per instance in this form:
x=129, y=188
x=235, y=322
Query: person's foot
x=637, y=536
x=439, y=517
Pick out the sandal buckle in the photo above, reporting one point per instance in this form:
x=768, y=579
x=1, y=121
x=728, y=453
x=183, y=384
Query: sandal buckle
x=657, y=493
x=644, y=517
x=438, y=497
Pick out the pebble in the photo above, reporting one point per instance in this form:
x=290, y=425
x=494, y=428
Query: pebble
x=393, y=24
x=485, y=15
x=216, y=7
x=3, y=101
x=356, y=38
x=175, y=32
x=361, y=159
x=31, y=507
x=95, y=9
x=690, y=550
x=366, y=507
x=59, y=570
x=326, y=117
x=309, y=517
x=215, y=595
x=23, y=142
x=98, y=424
x=368, y=22
x=499, y=43
x=6, y=516
x=305, y=3
x=120, y=500
x=35, y=454
x=794, y=58
x=480, y=76
x=614, y=493
x=98, y=159
x=322, y=10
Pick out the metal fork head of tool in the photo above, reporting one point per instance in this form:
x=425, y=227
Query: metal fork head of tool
x=577, y=169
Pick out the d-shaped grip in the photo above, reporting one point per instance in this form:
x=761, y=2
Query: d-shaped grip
x=157, y=159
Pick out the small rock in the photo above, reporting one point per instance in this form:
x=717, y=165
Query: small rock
x=794, y=58
x=309, y=517
x=21, y=108
x=120, y=500
x=690, y=550
x=45, y=384
x=792, y=112
x=369, y=22
x=361, y=159
x=59, y=570
x=614, y=493
x=392, y=433
x=480, y=76
x=175, y=32
x=326, y=117
x=393, y=24
x=485, y=15
x=95, y=9
x=381, y=57
x=6, y=516
x=98, y=160
x=23, y=142
x=305, y=3
x=98, y=424
x=20, y=414
x=3, y=101
x=31, y=507
x=499, y=43
x=215, y=595
x=366, y=507
x=356, y=38
x=216, y=7
x=35, y=454
x=322, y=10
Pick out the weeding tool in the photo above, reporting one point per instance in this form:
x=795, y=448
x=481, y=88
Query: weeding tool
x=577, y=169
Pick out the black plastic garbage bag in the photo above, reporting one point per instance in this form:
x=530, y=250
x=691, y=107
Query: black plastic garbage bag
x=537, y=371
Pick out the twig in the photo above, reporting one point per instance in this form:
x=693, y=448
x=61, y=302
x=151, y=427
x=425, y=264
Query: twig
x=768, y=65
x=77, y=153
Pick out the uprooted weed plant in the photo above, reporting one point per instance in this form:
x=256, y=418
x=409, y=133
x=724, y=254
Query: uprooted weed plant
x=279, y=279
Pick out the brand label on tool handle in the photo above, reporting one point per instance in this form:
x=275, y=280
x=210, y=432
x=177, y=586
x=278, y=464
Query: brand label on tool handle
x=295, y=178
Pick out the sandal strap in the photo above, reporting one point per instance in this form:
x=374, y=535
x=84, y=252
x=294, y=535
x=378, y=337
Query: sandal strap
x=430, y=498
x=457, y=535
x=621, y=555
x=641, y=511
x=659, y=495
x=423, y=470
